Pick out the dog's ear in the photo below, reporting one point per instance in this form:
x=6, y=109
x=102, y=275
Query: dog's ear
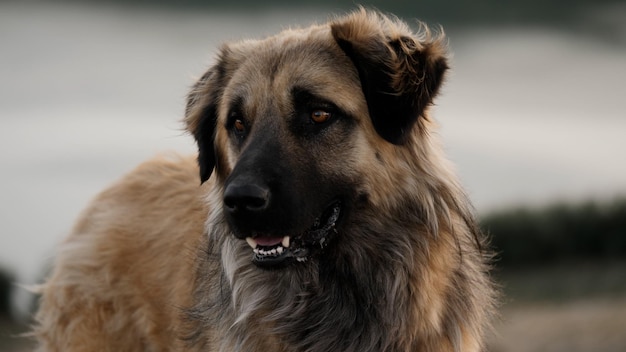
x=400, y=72
x=201, y=117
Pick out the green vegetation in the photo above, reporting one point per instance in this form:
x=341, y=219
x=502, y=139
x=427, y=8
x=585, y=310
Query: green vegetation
x=559, y=233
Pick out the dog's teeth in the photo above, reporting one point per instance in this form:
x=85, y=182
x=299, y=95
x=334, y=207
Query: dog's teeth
x=251, y=242
x=279, y=250
x=256, y=251
x=285, y=241
x=273, y=251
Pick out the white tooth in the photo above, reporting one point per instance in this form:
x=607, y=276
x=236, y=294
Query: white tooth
x=251, y=242
x=273, y=251
x=285, y=242
x=279, y=250
x=256, y=251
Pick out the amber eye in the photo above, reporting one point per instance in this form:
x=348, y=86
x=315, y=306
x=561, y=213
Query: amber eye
x=239, y=125
x=320, y=116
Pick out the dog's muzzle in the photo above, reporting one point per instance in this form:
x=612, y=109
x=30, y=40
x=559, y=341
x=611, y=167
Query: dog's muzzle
x=274, y=251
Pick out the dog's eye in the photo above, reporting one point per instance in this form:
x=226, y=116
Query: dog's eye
x=320, y=116
x=239, y=126
x=236, y=122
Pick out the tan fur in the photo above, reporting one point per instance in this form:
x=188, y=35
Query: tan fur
x=152, y=264
x=123, y=275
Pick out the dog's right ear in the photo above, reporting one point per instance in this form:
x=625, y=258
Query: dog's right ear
x=201, y=116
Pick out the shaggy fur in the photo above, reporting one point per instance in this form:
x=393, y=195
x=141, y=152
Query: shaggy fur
x=159, y=263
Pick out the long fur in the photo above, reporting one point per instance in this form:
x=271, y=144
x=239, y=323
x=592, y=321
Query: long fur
x=153, y=264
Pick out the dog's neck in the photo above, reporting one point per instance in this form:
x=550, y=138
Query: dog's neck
x=318, y=307
x=357, y=301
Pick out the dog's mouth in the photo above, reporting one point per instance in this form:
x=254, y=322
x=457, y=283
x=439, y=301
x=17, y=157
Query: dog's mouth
x=271, y=251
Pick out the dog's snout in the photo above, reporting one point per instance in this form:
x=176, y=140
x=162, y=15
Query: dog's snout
x=246, y=197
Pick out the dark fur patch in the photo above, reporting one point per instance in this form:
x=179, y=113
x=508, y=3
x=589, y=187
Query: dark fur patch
x=205, y=135
x=201, y=117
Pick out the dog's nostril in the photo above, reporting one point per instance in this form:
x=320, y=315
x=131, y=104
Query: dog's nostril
x=246, y=197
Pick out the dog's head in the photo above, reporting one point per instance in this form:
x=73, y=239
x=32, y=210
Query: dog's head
x=287, y=123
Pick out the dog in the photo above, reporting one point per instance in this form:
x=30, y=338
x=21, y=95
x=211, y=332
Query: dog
x=320, y=213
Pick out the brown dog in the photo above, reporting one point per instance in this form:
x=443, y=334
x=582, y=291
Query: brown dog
x=328, y=218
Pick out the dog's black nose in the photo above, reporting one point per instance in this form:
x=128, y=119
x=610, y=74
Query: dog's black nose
x=246, y=197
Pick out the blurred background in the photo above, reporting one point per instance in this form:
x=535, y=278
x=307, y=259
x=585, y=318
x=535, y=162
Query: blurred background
x=533, y=114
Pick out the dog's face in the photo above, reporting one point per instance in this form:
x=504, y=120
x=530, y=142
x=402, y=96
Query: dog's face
x=286, y=121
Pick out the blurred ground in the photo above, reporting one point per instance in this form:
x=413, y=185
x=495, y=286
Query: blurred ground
x=574, y=307
x=589, y=325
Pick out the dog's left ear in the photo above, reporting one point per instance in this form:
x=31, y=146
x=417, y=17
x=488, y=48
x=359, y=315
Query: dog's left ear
x=400, y=72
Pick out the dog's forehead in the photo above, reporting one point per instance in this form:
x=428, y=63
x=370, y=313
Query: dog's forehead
x=269, y=70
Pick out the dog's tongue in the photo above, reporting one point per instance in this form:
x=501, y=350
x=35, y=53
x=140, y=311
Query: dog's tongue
x=268, y=241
